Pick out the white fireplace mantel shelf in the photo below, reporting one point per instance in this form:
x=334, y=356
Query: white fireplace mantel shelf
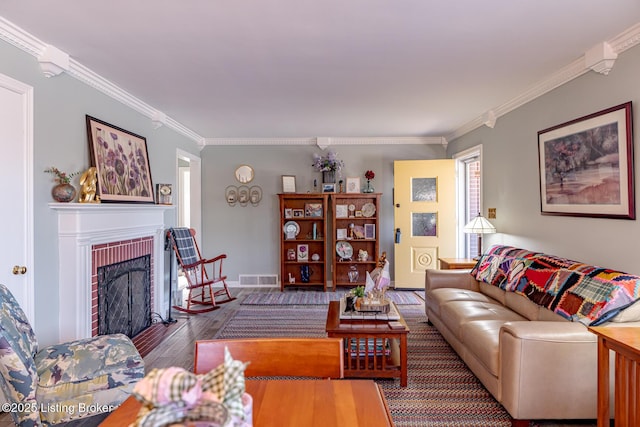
x=82, y=225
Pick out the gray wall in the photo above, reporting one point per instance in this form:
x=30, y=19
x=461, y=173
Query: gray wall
x=510, y=172
x=60, y=139
x=250, y=235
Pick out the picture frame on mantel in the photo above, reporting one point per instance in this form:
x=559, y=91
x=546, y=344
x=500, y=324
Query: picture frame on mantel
x=122, y=163
x=586, y=166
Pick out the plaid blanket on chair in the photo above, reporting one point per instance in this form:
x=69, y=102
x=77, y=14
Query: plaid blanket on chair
x=577, y=291
x=184, y=242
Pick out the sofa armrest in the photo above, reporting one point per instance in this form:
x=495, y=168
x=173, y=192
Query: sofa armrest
x=459, y=279
x=548, y=367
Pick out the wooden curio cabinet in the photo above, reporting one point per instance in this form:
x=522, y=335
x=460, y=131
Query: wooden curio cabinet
x=303, y=239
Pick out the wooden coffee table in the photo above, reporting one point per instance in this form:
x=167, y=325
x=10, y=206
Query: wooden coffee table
x=372, y=348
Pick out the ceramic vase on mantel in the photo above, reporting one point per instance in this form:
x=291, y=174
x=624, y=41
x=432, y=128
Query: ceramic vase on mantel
x=63, y=193
x=329, y=176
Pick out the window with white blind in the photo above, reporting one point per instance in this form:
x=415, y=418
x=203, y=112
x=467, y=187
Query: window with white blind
x=469, y=170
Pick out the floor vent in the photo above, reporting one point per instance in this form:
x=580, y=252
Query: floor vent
x=267, y=280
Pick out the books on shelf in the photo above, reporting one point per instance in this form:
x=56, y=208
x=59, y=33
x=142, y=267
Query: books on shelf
x=367, y=347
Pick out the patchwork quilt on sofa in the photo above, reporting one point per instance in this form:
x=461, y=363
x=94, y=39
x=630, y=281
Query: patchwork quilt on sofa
x=580, y=292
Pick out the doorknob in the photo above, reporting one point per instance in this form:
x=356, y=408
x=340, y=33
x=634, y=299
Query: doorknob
x=19, y=270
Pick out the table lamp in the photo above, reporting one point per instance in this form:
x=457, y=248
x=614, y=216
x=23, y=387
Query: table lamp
x=479, y=225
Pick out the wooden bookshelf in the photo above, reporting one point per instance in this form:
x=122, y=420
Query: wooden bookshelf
x=357, y=215
x=303, y=238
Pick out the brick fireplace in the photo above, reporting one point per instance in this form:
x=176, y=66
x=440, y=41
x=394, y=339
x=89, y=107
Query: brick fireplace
x=95, y=235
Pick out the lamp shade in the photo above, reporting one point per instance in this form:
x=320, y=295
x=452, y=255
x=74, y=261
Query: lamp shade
x=479, y=225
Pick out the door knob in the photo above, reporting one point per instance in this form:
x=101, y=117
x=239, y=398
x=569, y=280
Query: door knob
x=19, y=270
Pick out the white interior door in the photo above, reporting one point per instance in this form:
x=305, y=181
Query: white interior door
x=16, y=140
x=424, y=218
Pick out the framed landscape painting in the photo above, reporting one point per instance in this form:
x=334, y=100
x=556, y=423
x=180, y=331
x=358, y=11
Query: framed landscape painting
x=586, y=166
x=122, y=163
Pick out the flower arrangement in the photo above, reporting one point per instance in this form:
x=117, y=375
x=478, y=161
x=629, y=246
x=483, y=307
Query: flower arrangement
x=59, y=176
x=369, y=175
x=328, y=163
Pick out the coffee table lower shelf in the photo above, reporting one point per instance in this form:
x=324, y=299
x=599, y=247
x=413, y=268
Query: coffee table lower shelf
x=372, y=348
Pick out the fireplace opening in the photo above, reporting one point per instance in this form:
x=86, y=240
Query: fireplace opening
x=124, y=297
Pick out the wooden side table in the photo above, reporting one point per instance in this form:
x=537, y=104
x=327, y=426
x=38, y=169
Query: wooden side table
x=456, y=263
x=625, y=342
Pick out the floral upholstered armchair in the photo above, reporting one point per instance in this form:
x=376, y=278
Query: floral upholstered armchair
x=63, y=382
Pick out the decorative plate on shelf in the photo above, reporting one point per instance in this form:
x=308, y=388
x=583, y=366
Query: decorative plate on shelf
x=368, y=210
x=291, y=228
x=344, y=249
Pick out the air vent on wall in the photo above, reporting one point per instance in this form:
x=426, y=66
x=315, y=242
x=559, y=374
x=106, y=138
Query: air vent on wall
x=269, y=280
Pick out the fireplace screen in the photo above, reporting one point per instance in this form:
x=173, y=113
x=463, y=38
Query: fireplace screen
x=124, y=301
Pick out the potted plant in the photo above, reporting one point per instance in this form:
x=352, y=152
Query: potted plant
x=62, y=192
x=328, y=165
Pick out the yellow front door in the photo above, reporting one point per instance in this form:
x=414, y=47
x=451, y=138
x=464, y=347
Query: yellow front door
x=424, y=218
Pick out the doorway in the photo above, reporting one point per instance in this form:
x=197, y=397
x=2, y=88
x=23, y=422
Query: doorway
x=188, y=172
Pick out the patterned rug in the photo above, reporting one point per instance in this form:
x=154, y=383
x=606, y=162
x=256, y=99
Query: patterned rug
x=441, y=390
x=307, y=297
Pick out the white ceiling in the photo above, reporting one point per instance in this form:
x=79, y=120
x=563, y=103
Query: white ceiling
x=329, y=68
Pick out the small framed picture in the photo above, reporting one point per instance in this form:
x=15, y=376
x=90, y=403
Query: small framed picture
x=303, y=253
x=342, y=211
x=298, y=213
x=288, y=213
x=313, y=210
x=369, y=231
x=341, y=234
x=353, y=184
x=358, y=214
x=288, y=183
x=328, y=187
x=291, y=254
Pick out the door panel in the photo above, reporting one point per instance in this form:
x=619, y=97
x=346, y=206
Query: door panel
x=425, y=215
x=16, y=112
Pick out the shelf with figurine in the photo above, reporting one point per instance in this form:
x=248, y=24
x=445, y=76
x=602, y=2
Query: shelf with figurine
x=355, y=224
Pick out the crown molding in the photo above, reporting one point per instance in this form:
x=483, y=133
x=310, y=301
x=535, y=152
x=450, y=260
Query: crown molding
x=623, y=41
x=24, y=41
x=325, y=142
x=19, y=38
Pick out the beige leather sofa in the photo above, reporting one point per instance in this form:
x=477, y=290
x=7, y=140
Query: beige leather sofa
x=536, y=363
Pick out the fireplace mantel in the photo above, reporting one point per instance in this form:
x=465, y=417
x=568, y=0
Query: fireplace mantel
x=82, y=225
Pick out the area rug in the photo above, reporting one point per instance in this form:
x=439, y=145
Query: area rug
x=310, y=297
x=441, y=390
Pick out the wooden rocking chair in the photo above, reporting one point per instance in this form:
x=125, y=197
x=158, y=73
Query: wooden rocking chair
x=195, y=271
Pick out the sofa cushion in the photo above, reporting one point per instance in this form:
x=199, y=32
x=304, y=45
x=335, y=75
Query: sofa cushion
x=455, y=314
x=493, y=291
x=522, y=305
x=482, y=339
x=437, y=297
